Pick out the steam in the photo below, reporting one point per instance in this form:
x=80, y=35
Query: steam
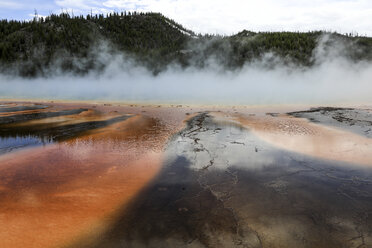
x=332, y=80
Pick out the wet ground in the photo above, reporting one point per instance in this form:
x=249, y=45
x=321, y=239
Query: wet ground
x=355, y=120
x=151, y=180
x=13, y=108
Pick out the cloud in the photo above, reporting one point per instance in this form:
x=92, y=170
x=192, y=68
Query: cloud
x=220, y=16
x=77, y=4
x=10, y=5
x=224, y=17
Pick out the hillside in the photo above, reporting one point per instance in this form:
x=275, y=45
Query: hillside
x=79, y=44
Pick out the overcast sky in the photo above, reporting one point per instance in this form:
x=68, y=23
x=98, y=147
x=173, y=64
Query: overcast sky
x=221, y=16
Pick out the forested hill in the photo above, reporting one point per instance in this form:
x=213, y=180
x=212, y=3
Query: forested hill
x=79, y=44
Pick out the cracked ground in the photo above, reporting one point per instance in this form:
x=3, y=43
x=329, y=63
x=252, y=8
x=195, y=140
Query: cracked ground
x=112, y=176
x=223, y=187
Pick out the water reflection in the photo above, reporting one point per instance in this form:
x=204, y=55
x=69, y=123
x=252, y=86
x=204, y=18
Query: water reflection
x=23, y=117
x=220, y=186
x=9, y=144
x=223, y=187
x=16, y=108
x=76, y=184
x=20, y=136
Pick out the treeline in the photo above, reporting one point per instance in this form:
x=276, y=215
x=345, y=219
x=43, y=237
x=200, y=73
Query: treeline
x=297, y=49
x=69, y=43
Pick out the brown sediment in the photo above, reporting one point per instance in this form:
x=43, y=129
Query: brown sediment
x=103, y=187
x=19, y=112
x=70, y=191
x=300, y=135
x=24, y=112
x=85, y=116
x=47, y=207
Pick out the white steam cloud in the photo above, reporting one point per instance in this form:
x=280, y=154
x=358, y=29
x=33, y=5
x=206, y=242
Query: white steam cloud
x=332, y=80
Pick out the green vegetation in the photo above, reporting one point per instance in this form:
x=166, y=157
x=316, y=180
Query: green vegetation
x=74, y=44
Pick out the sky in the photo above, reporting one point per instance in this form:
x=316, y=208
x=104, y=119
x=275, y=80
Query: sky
x=220, y=16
